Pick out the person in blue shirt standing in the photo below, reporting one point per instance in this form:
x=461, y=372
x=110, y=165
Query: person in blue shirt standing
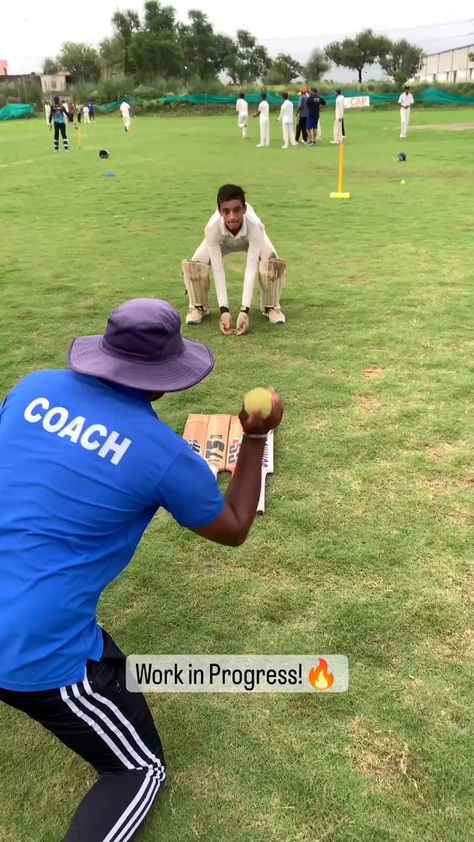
x=84, y=465
x=57, y=116
x=302, y=114
x=315, y=102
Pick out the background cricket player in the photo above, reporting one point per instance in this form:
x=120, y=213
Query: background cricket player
x=57, y=116
x=286, y=118
x=242, y=108
x=125, y=112
x=338, y=118
x=263, y=112
x=405, y=101
x=234, y=227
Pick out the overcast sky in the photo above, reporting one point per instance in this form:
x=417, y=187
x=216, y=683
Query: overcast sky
x=33, y=29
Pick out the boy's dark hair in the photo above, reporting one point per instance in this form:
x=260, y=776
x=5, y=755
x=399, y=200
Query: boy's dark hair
x=264, y=96
x=338, y=91
x=241, y=95
x=285, y=95
x=228, y=192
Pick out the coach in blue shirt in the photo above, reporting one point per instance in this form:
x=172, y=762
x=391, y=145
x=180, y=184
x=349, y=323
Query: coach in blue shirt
x=84, y=465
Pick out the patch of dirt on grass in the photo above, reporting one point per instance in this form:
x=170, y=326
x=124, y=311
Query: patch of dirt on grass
x=449, y=127
x=455, y=646
x=380, y=756
x=440, y=486
x=368, y=403
x=437, y=486
x=440, y=450
x=373, y=372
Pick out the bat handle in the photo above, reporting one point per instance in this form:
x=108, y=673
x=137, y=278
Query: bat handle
x=261, y=499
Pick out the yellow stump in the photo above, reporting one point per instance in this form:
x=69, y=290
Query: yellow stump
x=340, y=192
x=79, y=137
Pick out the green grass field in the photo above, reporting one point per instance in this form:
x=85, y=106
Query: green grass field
x=365, y=547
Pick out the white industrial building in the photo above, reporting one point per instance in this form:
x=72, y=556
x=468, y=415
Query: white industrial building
x=448, y=66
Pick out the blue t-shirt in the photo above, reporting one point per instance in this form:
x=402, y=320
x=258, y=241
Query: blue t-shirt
x=84, y=465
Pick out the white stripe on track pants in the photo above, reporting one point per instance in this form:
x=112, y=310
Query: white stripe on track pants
x=113, y=730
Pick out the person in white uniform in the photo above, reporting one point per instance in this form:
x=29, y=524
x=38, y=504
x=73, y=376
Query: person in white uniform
x=125, y=112
x=405, y=101
x=242, y=108
x=263, y=112
x=286, y=119
x=338, y=117
x=232, y=228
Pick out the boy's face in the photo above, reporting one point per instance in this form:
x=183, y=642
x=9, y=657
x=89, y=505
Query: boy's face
x=232, y=213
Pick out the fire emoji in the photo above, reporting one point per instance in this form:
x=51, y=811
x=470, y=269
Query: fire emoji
x=320, y=677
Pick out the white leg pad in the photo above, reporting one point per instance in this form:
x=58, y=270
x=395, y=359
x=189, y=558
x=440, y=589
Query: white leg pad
x=197, y=280
x=272, y=278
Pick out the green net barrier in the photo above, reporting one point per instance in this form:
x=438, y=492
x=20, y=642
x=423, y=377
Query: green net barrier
x=17, y=111
x=427, y=96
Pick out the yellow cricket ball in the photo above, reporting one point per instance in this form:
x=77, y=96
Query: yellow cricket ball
x=403, y=181
x=258, y=400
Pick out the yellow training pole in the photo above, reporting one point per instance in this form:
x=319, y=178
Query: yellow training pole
x=341, y=166
x=340, y=193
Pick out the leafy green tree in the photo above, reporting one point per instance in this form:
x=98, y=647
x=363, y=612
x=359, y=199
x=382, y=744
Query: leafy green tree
x=125, y=24
x=248, y=60
x=81, y=60
x=402, y=61
x=155, y=49
x=283, y=69
x=50, y=65
x=358, y=52
x=316, y=66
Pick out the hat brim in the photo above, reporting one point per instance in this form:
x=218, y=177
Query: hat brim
x=87, y=356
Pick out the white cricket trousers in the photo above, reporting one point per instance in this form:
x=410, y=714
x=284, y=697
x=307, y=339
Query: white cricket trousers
x=337, y=131
x=264, y=132
x=86, y=117
x=202, y=255
x=404, y=120
x=288, y=135
x=126, y=121
x=242, y=123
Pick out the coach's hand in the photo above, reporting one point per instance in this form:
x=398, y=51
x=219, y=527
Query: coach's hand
x=256, y=425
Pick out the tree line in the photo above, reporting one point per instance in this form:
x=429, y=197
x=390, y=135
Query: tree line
x=160, y=46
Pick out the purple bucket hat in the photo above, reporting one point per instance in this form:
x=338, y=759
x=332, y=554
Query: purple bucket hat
x=142, y=347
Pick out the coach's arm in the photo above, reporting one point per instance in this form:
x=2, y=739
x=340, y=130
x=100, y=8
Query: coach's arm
x=233, y=525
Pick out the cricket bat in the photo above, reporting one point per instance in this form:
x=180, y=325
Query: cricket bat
x=267, y=468
x=233, y=444
x=195, y=433
x=216, y=442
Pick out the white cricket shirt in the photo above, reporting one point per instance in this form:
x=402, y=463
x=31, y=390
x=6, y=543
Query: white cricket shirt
x=249, y=239
x=406, y=99
x=286, y=112
x=125, y=109
x=264, y=110
x=339, y=109
x=242, y=106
